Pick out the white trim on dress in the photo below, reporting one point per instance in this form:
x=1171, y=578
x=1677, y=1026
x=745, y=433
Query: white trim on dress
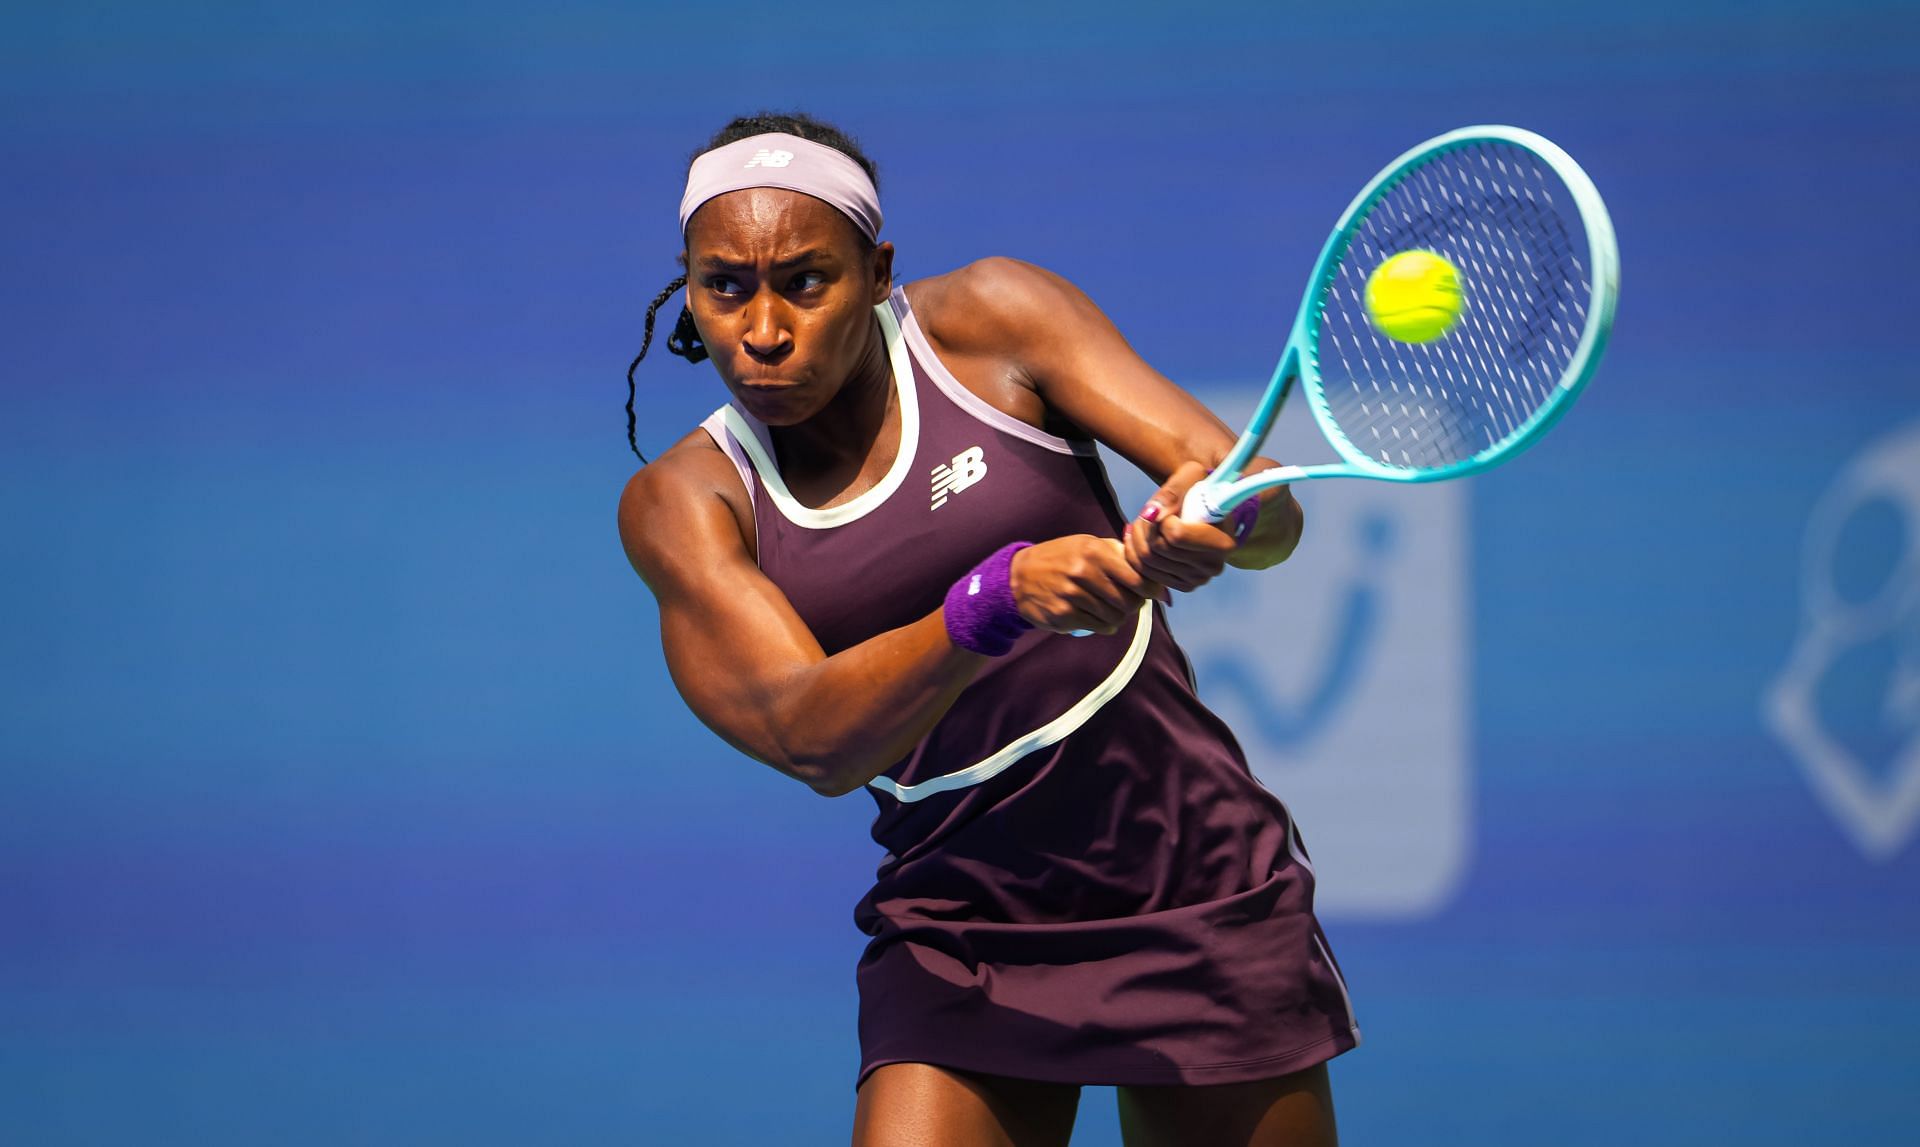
x=1047, y=734
x=753, y=438
x=978, y=407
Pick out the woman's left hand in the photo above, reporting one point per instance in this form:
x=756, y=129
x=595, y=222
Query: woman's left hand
x=1176, y=553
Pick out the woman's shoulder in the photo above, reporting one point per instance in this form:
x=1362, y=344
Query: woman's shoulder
x=690, y=478
x=994, y=303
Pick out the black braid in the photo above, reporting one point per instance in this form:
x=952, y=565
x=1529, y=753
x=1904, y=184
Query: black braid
x=646, y=340
x=685, y=339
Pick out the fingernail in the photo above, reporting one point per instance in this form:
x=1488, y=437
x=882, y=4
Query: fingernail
x=1151, y=512
x=1126, y=532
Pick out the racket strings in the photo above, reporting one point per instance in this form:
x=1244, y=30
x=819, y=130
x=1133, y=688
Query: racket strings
x=1473, y=360
x=1501, y=216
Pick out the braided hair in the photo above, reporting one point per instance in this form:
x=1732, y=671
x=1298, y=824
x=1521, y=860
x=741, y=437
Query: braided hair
x=684, y=340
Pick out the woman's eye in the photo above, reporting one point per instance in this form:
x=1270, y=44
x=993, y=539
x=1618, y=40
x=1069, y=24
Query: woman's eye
x=723, y=286
x=806, y=280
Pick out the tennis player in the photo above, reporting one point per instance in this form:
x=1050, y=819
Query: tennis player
x=868, y=566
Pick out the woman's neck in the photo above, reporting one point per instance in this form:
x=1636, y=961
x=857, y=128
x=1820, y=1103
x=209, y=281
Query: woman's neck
x=852, y=441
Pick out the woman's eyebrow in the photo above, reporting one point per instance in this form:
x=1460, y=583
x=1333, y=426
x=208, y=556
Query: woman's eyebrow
x=810, y=255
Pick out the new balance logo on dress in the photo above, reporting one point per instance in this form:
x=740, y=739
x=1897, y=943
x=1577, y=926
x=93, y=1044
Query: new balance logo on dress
x=967, y=467
x=770, y=158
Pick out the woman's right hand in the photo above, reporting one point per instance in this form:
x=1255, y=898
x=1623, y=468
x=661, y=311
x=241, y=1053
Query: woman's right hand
x=1079, y=582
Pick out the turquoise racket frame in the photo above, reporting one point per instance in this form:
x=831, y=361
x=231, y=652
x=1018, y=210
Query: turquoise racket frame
x=1211, y=500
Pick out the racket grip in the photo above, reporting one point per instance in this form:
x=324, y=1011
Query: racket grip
x=1200, y=505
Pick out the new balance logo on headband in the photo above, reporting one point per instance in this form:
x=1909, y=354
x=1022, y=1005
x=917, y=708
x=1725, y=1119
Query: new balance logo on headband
x=770, y=158
x=967, y=467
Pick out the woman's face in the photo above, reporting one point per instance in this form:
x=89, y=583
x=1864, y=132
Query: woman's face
x=783, y=298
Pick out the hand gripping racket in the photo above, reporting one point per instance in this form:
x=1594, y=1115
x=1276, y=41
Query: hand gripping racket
x=1538, y=273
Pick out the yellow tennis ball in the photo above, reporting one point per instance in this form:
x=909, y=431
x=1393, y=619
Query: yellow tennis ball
x=1414, y=297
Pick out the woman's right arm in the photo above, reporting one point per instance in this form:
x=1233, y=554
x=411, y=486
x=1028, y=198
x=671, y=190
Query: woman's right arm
x=749, y=667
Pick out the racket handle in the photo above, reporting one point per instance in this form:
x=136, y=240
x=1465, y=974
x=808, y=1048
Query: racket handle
x=1200, y=505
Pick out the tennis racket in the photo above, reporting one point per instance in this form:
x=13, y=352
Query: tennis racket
x=1538, y=271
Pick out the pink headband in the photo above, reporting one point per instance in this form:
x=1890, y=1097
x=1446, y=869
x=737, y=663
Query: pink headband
x=785, y=161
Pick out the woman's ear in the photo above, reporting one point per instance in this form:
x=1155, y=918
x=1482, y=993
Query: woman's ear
x=882, y=273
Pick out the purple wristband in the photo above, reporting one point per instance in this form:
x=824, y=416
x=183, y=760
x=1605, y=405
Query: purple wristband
x=1243, y=517
x=981, y=614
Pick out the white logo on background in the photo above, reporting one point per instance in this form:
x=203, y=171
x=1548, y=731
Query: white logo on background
x=1344, y=675
x=967, y=467
x=1875, y=625
x=773, y=158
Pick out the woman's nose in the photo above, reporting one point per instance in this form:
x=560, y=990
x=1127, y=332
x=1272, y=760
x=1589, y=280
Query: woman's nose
x=767, y=333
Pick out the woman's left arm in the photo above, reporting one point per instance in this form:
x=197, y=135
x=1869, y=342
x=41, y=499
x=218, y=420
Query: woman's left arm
x=1059, y=345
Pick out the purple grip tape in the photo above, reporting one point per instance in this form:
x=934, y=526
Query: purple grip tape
x=980, y=612
x=1243, y=518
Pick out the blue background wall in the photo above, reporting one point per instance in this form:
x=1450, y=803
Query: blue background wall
x=343, y=794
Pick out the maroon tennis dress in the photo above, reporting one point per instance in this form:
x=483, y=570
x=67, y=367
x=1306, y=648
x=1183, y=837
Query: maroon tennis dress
x=1083, y=881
